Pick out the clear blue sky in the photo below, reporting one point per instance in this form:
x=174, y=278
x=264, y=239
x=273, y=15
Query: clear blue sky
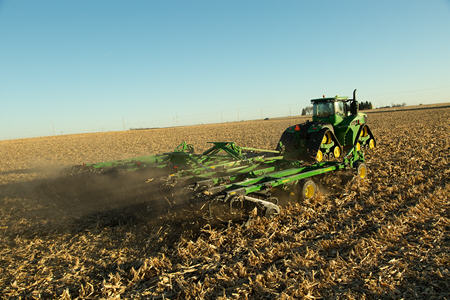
x=79, y=66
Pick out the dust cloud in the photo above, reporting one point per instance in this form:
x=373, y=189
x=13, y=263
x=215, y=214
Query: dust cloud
x=62, y=200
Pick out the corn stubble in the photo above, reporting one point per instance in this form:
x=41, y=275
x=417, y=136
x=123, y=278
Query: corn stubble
x=386, y=236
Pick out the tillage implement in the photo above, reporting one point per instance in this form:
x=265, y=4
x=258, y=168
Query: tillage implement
x=243, y=178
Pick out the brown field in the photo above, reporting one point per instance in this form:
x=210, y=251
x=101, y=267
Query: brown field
x=385, y=237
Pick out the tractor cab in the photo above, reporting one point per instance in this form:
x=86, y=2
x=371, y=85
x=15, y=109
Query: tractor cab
x=329, y=110
x=333, y=110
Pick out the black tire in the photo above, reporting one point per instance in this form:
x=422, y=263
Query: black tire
x=307, y=189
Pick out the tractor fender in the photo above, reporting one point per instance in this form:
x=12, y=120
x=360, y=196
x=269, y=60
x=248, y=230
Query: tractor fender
x=329, y=126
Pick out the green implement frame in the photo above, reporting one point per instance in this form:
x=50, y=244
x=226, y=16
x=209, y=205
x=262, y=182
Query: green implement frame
x=229, y=173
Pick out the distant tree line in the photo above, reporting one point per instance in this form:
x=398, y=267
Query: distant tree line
x=307, y=110
x=394, y=105
x=365, y=105
x=398, y=105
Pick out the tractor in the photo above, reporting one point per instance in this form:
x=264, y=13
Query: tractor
x=336, y=127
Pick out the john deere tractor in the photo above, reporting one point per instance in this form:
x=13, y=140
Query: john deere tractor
x=336, y=128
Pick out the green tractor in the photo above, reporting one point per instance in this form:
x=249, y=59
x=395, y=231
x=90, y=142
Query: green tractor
x=336, y=128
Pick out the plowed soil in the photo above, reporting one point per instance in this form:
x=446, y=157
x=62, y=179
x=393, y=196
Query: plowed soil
x=90, y=237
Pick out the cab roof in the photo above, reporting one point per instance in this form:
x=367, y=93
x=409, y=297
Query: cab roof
x=333, y=99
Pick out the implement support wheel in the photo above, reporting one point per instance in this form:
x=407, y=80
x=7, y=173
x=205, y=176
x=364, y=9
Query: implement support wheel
x=361, y=171
x=307, y=189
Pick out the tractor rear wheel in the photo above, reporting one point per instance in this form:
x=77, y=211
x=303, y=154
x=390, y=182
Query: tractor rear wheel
x=308, y=189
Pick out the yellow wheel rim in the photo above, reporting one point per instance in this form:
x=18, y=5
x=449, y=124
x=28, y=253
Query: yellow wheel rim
x=337, y=151
x=362, y=172
x=319, y=156
x=309, y=192
x=371, y=144
x=364, y=131
x=326, y=138
x=358, y=146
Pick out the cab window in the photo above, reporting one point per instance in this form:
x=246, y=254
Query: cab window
x=323, y=109
x=339, y=108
